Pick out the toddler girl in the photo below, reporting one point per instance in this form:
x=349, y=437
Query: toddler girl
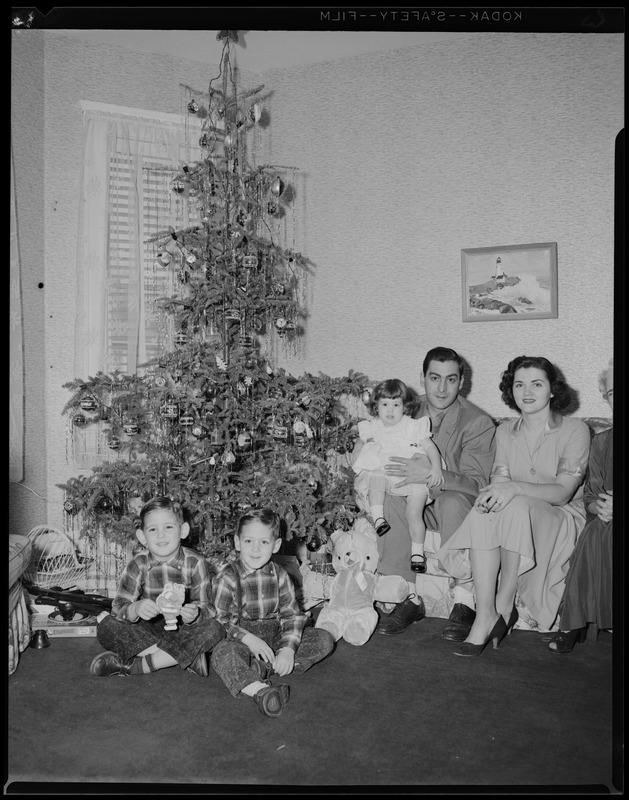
x=395, y=433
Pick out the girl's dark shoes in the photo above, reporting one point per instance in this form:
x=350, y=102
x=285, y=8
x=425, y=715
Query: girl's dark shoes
x=418, y=563
x=272, y=699
x=382, y=526
x=497, y=634
x=564, y=641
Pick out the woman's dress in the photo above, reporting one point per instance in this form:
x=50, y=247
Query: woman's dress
x=588, y=593
x=543, y=534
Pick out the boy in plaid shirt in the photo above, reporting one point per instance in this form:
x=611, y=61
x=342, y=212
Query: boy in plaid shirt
x=134, y=632
x=255, y=601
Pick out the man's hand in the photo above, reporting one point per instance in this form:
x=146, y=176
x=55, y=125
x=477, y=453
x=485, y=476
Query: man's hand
x=412, y=470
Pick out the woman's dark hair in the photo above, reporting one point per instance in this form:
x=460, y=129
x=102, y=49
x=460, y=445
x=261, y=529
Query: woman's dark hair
x=264, y=515
x=561, y=392
x=394, y=389
x=161, y=502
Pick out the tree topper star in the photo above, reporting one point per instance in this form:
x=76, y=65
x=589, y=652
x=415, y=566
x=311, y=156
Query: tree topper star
x=233, y=35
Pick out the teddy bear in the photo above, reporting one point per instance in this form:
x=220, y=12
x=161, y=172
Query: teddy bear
x=349, y=612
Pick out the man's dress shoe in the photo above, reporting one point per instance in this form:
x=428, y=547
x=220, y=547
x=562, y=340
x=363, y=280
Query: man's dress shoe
x=459, y=623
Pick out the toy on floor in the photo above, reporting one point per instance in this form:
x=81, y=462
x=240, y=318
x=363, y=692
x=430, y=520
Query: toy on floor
x=349, y=612
x=170, y=601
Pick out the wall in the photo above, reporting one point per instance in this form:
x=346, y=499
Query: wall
x=403, y=159
x=407, y=157
x=27, y=499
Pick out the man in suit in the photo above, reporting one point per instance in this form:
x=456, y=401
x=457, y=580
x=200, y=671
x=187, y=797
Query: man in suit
x=465, y=437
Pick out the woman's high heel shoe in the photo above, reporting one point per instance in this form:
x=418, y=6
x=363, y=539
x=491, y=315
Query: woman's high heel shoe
x=513, y=618
x=564, y=641
x=497, y=634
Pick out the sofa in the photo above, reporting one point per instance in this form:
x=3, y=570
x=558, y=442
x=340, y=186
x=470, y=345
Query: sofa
x=20, y=548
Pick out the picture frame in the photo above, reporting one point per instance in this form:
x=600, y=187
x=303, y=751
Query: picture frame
x=512, y=282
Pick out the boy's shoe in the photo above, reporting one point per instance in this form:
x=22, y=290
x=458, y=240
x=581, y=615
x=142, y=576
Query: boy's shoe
x=418, y=562
x=108, y=663
x=199, y=666
x=261, y=669
x=272, y=699
x=382, y=526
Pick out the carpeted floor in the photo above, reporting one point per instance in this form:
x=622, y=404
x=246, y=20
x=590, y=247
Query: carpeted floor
x=400, y=711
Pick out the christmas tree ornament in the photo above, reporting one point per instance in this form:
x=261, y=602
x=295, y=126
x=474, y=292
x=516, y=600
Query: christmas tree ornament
x=244, y=440
x=272, y=207
x=164, y=258
x=280, y=432
x=305, y=400
x=204, y=141
x=170, y=410
x=186, y=420
x=228, y=457
x=280, y=323
x=70, y=507
x=246, y=340
x=160, y=381
x=249, y=261
x=255, y=112
x=181, y=339
x=277, y=187
x=366, y=396
x=80, y=420
x=220, y=363
x=177, y=186
x=131, y=428
x=233, y=315
x=313, y=544
x=89, y=404
x=193, y=106
x=113, y=443
x=278, y=289
x=258, y=324
x=299, y=426
x=197, y=431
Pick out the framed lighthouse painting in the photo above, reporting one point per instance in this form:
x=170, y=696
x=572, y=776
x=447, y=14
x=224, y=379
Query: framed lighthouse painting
x=513, y=282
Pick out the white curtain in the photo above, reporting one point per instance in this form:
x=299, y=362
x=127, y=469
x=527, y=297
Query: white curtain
x=16, y=354
x=120, y=207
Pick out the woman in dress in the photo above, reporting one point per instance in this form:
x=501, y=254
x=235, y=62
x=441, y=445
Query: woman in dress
x=587, y=597
x=523, y=526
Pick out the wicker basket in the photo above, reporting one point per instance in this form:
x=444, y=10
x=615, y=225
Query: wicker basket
x=54, y=560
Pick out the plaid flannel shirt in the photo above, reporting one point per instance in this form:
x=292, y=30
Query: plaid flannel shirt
x=262, y=594
x=145, y=577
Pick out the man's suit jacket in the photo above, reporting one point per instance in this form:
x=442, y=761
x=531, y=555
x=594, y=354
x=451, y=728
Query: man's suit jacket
x=466, y=440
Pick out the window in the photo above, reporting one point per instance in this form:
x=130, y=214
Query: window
x=129, y=162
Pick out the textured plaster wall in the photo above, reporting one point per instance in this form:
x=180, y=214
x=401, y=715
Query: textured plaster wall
x=407, y=157
x=404, y=158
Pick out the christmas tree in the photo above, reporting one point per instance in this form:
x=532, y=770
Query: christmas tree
x=212, y=422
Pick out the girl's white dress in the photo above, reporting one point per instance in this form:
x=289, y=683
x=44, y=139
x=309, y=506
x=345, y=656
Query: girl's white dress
x=383, y=441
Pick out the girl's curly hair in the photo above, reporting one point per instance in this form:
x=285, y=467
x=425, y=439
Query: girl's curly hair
x=394, y=388
x=561, y=392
